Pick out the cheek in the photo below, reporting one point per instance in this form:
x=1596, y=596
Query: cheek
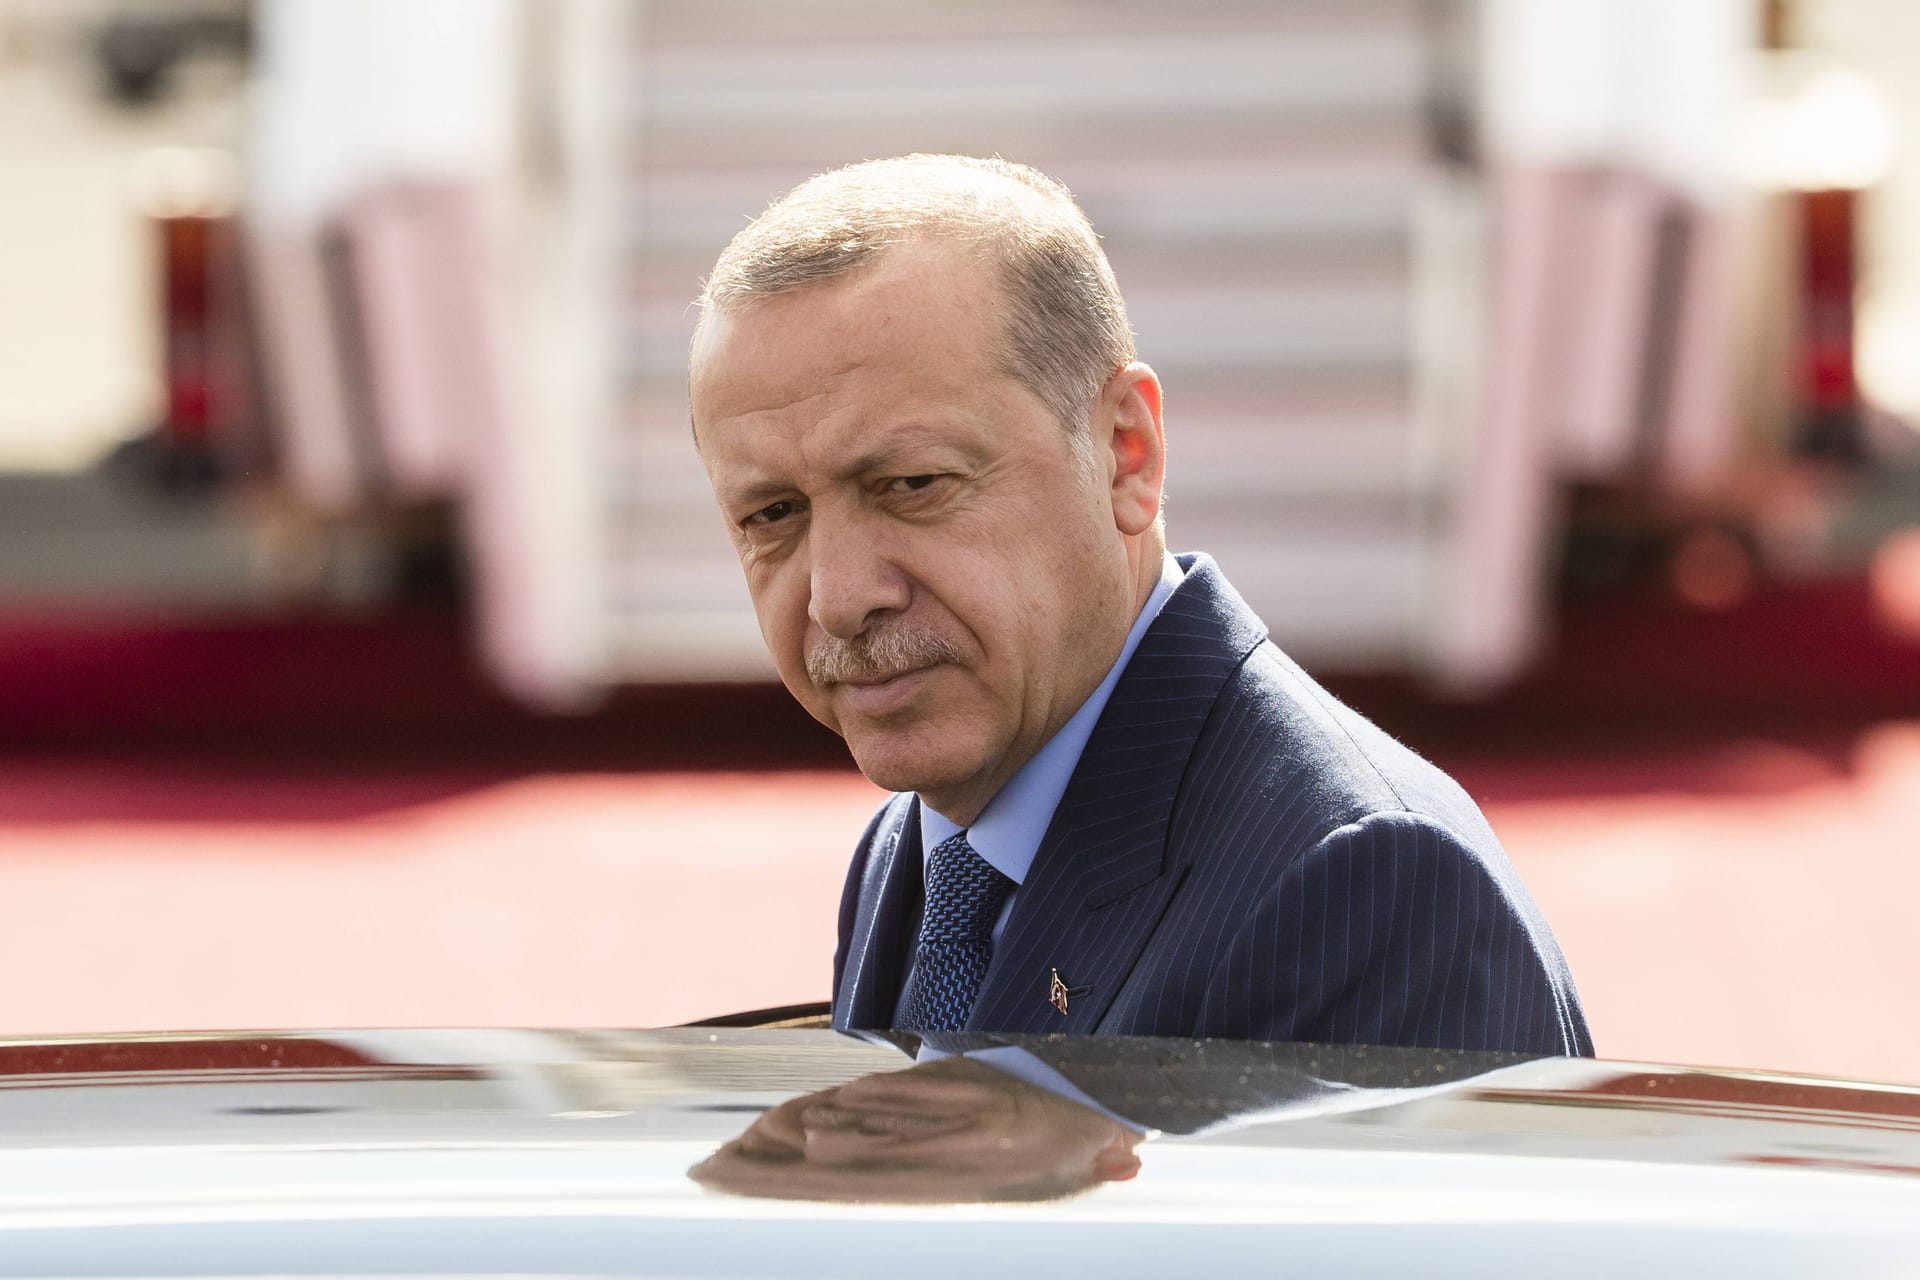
x=1033, y=589
x=780, y=605
x=978, y=577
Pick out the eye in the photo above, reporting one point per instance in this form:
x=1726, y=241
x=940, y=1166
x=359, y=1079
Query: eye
x=910, y=484
x=773, y=514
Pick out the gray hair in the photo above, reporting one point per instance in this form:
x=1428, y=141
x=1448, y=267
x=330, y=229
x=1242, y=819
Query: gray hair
x=1066, y=328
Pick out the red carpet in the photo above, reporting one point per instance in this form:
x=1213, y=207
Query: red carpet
x=1748, y=903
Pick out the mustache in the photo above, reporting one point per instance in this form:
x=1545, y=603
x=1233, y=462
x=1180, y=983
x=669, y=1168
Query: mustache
x=880, y=1124
x=877, y=655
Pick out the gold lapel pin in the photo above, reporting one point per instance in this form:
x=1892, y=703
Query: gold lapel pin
x=1057, y=993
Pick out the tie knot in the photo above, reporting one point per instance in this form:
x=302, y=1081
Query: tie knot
x=964, y=893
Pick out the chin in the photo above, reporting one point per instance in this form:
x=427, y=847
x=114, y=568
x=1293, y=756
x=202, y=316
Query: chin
x=893, y=762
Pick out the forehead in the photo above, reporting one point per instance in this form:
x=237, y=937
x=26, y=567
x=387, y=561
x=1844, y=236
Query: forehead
x=925, y=316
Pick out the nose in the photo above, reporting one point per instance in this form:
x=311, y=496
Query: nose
x=855, y=579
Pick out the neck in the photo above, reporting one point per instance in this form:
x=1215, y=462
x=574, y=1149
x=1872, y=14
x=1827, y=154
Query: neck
x=1145, y=555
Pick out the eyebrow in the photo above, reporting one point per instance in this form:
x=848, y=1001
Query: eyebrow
x=901, y=441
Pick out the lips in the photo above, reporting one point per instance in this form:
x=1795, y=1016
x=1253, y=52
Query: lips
x=883, y=696
x=870, y=681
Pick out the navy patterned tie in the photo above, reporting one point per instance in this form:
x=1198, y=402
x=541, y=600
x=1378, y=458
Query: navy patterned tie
x=964, y=895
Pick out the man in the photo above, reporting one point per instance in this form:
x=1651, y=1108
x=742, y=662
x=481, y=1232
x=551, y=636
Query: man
x=977, y=1118
x=950, y=1129
x=1119, y=808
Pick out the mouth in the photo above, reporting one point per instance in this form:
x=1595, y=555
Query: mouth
x=885, y=695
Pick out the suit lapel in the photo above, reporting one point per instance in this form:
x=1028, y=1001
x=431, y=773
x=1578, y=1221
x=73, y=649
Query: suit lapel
x=889, y=887
x=1100, y=878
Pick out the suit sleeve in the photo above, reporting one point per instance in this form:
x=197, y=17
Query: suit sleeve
x=1389, y=930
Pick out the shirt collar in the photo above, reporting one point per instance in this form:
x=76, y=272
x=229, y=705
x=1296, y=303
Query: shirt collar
x=1008, y=831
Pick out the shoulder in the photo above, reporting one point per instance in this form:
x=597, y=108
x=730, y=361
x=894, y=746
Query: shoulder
x=1288, y=784
x=1358, y=866
x=1393, y=930
x=1279, y=744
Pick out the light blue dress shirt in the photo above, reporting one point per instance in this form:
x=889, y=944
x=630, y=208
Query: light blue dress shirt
x=1025, y=1067
x=1009, y=830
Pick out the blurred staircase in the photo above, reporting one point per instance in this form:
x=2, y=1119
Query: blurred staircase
x=1271, y=181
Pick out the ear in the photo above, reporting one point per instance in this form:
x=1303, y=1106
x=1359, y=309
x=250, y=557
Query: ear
x=1131, y=399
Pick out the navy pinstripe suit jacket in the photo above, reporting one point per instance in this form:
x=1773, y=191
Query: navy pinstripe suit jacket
x=1238, y=855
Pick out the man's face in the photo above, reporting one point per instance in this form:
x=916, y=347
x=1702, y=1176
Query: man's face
x=949, y=1131
x=939, y=577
